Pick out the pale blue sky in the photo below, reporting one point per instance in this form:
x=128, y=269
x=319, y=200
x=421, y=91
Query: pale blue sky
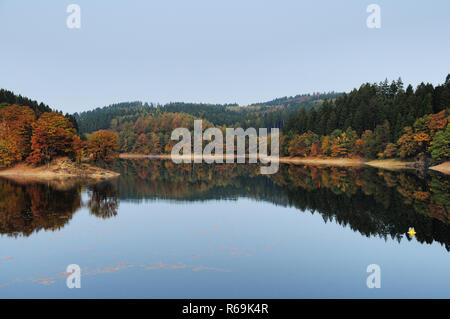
x=215, y=51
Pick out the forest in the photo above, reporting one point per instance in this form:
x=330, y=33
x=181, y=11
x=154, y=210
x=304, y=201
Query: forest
x=36, y=135
x=375, y=121
x=145, y=128
x=383, y=120
x=266, y=114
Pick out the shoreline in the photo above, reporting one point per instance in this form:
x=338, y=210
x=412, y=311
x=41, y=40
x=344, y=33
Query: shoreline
x=292, y=160
x=59, y=169
x=389, y=164
x=281, y=159
x=63, y=169
x=443, y=168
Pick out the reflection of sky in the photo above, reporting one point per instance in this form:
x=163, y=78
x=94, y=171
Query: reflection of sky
x=223, y=249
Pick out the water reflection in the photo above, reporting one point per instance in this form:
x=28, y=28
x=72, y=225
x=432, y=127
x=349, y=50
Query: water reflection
x=370, y=201
x=373, y=202
x=29, y=207
x=103, y=200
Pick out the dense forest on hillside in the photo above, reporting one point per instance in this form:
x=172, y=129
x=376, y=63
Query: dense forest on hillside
x=9, y=98
x=268, y=114
x=377, y=120
x=382, y=120
x=371, y=105
x=150, y=133
x=294, y=100
x=100, y=118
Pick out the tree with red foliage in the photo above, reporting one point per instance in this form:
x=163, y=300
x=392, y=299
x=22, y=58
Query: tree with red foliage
x=53, y=135
x=103, y=145
x=15, y=133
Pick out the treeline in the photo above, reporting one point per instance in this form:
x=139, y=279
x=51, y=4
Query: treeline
x=27, y=135
x=429, y=136
x=151, y=133
x=371, y=105
x=100, y=118
x=292, y=100
x=9, y=98
x=377, y=120
x=268, y=114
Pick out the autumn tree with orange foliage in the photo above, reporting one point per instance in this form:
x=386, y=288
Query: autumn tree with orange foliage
x=103, y=145
x=53, y=136
x=15, y=133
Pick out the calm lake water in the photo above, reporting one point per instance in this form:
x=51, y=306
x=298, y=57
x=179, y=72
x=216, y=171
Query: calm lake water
x=163, y=230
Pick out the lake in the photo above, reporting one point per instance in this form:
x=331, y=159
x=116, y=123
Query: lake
x=163, y=230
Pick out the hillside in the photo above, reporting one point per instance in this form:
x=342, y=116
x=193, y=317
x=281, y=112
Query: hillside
x=273, y=113
x=10, y=98
x=376, y=121
x=293, y=100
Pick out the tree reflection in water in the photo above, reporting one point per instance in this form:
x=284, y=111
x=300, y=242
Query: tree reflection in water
x=31, y=207
x=371, y=201
x=103, y=200
x=26, y=208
